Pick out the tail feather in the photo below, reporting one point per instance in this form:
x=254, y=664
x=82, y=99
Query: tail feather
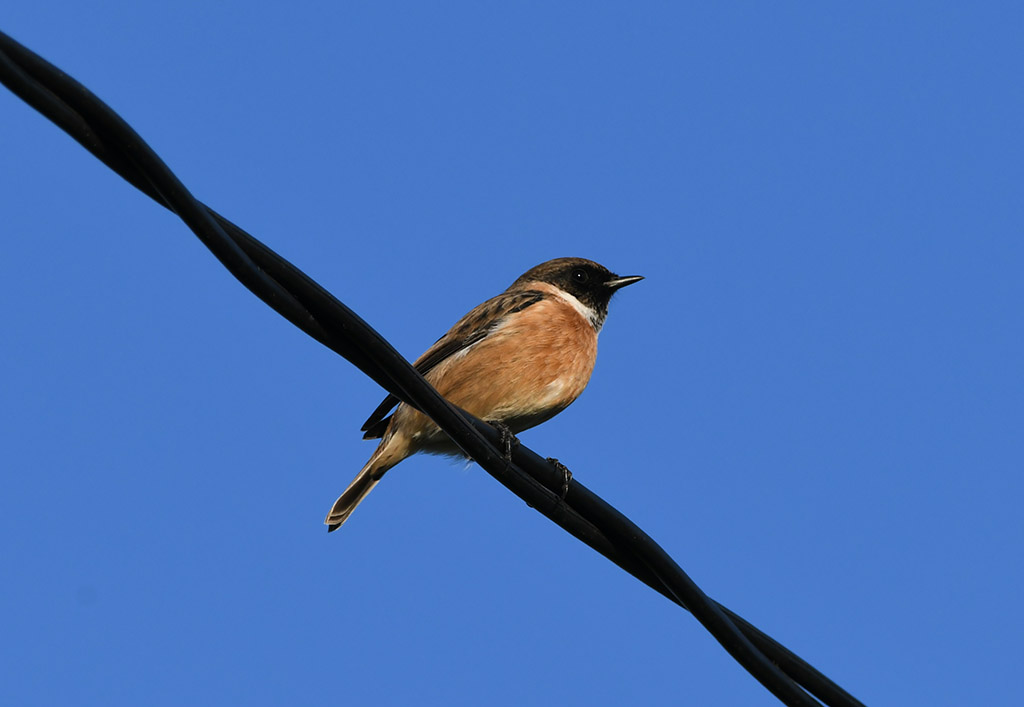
x=353, y=496
x=387, y=455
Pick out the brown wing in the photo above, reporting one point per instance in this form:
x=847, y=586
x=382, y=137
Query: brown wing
x=473, y=327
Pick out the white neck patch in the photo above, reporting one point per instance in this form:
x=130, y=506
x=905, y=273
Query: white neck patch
x=588, y=313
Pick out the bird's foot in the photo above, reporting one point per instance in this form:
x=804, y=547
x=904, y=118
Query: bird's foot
x=566, y=475
x=507, y=440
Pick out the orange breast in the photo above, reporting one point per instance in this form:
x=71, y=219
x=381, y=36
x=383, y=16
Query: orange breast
x=530, y=369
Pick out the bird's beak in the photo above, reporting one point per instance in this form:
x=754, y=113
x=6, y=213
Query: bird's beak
x=620, y=282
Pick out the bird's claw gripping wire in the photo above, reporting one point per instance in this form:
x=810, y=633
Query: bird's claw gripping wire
x=508, y=440
x=566, y=476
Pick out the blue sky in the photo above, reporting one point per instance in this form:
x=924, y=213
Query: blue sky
x=813, y=402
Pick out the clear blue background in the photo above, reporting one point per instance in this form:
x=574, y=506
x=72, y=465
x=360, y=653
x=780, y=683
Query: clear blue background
x=814, y=402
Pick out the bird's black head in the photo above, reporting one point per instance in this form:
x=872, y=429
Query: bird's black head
x=588, y=282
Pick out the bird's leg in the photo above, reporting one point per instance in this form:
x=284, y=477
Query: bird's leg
x=566, y=475
x=507, y=439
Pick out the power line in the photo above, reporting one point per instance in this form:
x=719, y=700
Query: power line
x=310, y=307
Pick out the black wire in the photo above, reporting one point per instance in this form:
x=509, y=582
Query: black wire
x=311, y=308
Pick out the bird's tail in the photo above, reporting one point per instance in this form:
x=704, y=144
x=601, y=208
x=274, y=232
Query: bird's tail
x=370, y=475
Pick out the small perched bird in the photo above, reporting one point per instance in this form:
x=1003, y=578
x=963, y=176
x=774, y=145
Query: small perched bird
x=516, y=360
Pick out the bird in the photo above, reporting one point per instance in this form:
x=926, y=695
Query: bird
x=515, y=361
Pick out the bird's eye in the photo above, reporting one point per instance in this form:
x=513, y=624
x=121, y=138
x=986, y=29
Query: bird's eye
x=579, y=275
